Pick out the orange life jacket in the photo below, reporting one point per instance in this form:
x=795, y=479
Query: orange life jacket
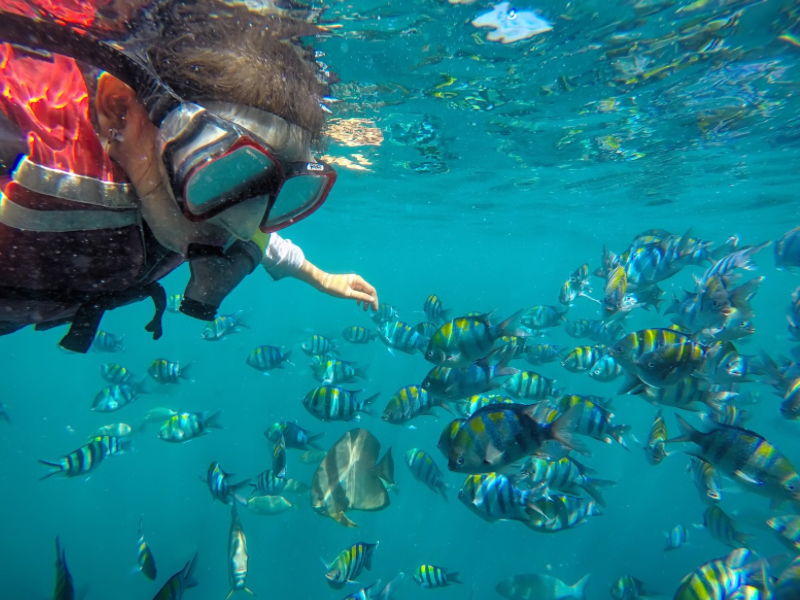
x=72, y=242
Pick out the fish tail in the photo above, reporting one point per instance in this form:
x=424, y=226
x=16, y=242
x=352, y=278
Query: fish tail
x=443, y=491
x=453, y=577
x=365, y=406
x=688, y=433
x=57, y=468
x=140, y=386
x=632, y=385
x=251, y=592
x=741, y=296
x=184, y=372
x=673, y=308
x=362, y=372
x=507, y=326
x=187, y=574
x=579, y=589
x=229, y=595
x=592, y=487
x=563, y=430
x=312, y=440
x=213, y=421
x=617, y=431
x=447, y=315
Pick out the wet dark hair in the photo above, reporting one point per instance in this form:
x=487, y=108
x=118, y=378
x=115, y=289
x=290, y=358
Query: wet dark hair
x=208, y=50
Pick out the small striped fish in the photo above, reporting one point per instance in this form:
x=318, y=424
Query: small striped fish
x=721, y=528
x=424, y=470
x=147, y=564
x=676, y=538
x=349, y=564
x=430, y=576
x=176, y=585
x=64, y=589
x=331, y=403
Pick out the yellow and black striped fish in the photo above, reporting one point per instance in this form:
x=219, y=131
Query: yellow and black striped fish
x=147, y=564
x=349, y=564
x=430, y=576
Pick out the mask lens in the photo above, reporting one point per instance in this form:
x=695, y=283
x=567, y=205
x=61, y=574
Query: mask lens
x=224, y=178
x=297, y=195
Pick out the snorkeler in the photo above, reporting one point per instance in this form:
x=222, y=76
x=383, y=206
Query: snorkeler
x=116, y=168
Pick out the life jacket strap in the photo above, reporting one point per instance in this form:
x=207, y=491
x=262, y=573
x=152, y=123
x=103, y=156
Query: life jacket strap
x=76, y=188
x=91, y=308
x=27, y=219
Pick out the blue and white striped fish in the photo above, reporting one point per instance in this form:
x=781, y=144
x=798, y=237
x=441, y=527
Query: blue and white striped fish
x=676, y=538
x=223, y=326
x=318, y=345
x=403, y=337
x=493, y=497
x=176, y=585
x=166, y=371
x=722, y=528
x=114, y=397
x=424, y=469
x=435, y=310
x=331, y=403
x=144, y=558
x=267, y=358
x=86, y=458
x=221, y=488
x=359, y=335
x=64, y=588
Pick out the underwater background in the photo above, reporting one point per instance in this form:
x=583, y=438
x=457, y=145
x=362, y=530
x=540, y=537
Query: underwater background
x=487, y=191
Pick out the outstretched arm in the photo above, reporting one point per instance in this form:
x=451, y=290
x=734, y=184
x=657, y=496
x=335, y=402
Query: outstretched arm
x=284, y=259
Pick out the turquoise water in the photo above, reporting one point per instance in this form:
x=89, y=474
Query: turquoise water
x=530, y=189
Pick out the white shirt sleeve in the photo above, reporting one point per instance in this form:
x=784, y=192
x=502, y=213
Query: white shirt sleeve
x=282, y=258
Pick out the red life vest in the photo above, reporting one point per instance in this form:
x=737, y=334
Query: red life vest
x=70, y=229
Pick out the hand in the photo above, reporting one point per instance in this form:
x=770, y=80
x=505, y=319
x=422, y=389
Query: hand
x=350, y=286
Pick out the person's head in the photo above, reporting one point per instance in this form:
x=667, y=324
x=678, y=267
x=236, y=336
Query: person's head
x=246, y=70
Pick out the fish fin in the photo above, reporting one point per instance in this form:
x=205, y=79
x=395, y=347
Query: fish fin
x=56, y=466
x=561, y=430
x=385, y=468
x=617, y=431
x=368, y=557
x=443, y=491
x=312, y=440
x=493, y=455
x=213, y=421
x=743, y=476
x=453, y=577
x=342, y=519
x=505, y=328
x=228, y=597
x=390, y=351
x=687, y=431
x=592, y=487
x=631, y=385
x=579, y=589
x=251, y=592
x=187, y=575
x=362, y=372
x=184, y=372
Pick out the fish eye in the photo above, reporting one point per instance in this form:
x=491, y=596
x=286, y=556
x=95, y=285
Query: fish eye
x=512, y=14
x=651, y=365
x=460, y=460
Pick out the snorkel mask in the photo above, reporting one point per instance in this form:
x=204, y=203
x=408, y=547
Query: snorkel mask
x=218, y=156
x=216, y=163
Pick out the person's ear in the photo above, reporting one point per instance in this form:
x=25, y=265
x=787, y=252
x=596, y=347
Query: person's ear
x=114, y=101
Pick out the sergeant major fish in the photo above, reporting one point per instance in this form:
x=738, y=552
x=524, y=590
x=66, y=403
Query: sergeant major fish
x=540, y=587
x=186, y=426
x=565, y=475
x=359, y=335
x=176, y=585
x=108, y=342
x=223, y=326
x=267, y=358
x=464, y=340
x=721, y=528
x=237, y=556
x=747, y=458
x=493, y=497
x=676, y=538
x=349, y=564
x=219, y=485
x=144, y=557
x=409, y=402
x=424, y=470
x=114, y=397
x=332, y=371
x=430, y=576
x=331, y=403
x=434, y=310
x=501, y=434
x=318, y=345
x=293, y=435
x=64, y=587
x=165, y=371
x=654, y=450
x=403, y=337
